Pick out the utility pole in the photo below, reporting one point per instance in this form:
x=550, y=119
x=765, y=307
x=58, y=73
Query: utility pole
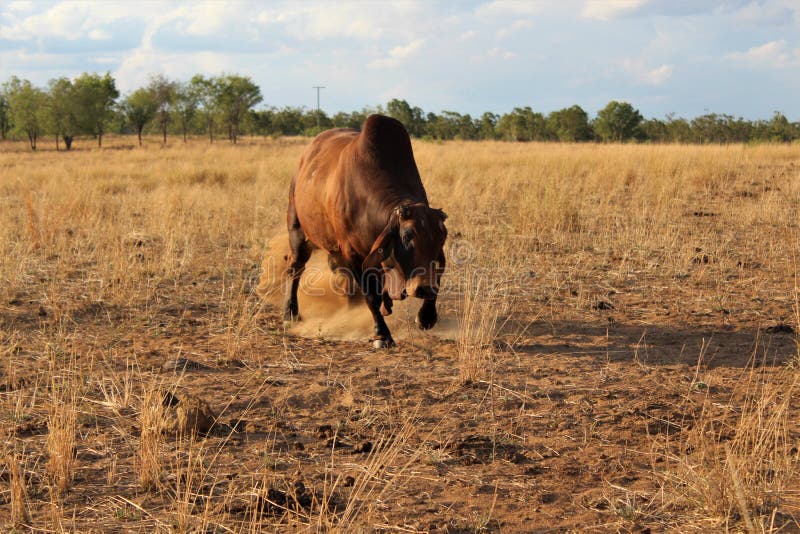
x=318, y=87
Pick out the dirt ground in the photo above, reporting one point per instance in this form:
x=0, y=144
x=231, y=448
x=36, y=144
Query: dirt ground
x=615, y=394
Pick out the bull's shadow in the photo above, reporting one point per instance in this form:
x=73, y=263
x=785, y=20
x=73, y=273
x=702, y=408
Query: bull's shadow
x=657, y=344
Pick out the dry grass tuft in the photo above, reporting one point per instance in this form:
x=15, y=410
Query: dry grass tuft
x=34, y=229
x=152, y=424
x=62, y=424
x=61, y=443
x=478, y=327
x=19, y=492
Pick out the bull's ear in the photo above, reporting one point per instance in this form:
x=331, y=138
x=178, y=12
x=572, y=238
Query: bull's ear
x=382, y=248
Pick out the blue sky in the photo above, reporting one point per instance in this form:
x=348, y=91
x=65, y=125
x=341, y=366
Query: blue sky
x=739, y=57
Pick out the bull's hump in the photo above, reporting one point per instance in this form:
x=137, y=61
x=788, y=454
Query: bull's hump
x=386, y=140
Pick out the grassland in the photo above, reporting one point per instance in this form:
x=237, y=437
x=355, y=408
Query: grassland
x=618, y=347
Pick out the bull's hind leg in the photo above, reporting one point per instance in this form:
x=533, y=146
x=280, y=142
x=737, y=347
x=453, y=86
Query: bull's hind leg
x=299, y=252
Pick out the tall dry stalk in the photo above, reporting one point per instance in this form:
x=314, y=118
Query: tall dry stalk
x=243, y=310
x=478, y=326
x=19, y=493
x=34, y=230
x=151, y=420
x=188, y=471
x=8, y=347
x=62, y=424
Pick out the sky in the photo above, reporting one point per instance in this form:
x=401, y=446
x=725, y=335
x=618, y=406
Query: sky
x=686, y=57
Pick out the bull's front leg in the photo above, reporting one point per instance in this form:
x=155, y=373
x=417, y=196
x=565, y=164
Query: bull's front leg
x=427, y=315
x=373, y=293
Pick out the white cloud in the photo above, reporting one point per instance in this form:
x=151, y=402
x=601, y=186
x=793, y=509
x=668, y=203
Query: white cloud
x=308, y=21
x=644, y=74
x=610, y=9
x=104, y=60
x=35, y=66
x=500, y=8
x=137, y=66
x=99, y=35
x=20, y=6
x=658, y=75
x=208, y=18
x=606, y=10
x=514, y=27
x=494, y=54
x=774, y=54
x=398, y=54
x=411, y=48
x=71, y=20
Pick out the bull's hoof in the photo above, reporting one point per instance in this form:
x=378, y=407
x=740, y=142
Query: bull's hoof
x=383, y=343
x=426, y=318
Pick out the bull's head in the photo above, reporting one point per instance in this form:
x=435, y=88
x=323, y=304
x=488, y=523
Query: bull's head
x=410, y=253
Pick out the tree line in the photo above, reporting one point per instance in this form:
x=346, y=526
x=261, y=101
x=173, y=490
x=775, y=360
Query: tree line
x=225, y=106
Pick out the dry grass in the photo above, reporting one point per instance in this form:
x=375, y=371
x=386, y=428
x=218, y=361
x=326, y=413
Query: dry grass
x=582, y=282
x=19, y=493
x=151, y=419
x=478, y=326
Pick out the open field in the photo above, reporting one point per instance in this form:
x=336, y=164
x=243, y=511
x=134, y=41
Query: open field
x=618, y=347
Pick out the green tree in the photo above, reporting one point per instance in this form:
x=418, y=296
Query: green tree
x=64, y=111
x=487, y=125
x=94, y=102
x=522, y=124
x=262, y=121
x=781, y=130
x=163, y=91
x=5, y=114
x=187, y=100
x=570, y=124
x=655, y=130
x=28, y=109
x=315, y=122
x=139, y=108
x=207, y=94
x=236, y=95
x=618, y=121
x=678, y=129
x=350, y=120
x=288, y=121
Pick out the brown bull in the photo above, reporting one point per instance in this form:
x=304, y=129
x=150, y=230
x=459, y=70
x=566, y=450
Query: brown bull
x=358, y=196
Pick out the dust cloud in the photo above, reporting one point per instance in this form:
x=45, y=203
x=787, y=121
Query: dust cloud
x=327, y=311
